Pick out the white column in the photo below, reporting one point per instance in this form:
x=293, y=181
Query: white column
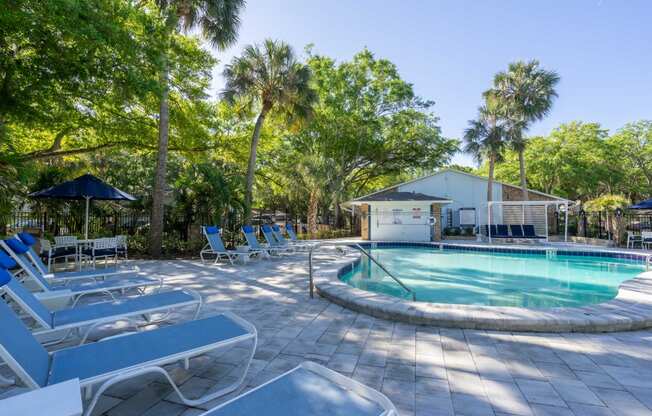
x=88, y=201
x=489, y=220
x=566, y=223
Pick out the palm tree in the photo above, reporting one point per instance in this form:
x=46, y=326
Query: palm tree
x=485, y=138
x=270, y=77
x=526, y=92
x=219, y=22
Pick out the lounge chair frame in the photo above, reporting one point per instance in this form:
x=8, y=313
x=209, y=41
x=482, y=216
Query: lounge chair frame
x=231, y=256
x=91, y=324
x=154, y=367
x=51, y=285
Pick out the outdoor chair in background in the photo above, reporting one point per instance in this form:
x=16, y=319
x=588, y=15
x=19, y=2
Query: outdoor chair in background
x=530, y=232
x=646, y=239
x=102, y=248
x=215, y=246
x=253, y=246
x=122, y=246
x=278, y=234
x=272, y=242
x=633, y=239
x=516, y=230
x=289, y=228
x=65, y=246
x=21, y=249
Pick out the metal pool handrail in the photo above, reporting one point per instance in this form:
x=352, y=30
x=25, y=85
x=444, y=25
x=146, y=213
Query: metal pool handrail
x=366, y=253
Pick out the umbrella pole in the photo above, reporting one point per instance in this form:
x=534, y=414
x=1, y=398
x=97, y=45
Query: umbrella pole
x=88, y=200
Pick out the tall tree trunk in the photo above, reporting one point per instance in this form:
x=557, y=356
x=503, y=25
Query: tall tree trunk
x=521, y=167
x=490, y=181
x=158, y=199
x=313, y=211
x=251, y=167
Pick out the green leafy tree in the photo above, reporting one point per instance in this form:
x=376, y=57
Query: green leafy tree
x=370, y=125
x=484, y=138
x=526, y=93
x=270, y=78
x=219, y=22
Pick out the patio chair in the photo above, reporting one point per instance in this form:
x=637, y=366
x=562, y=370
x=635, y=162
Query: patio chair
x=51, y=254
x=215, y=246
x=116, y=359
x=308, y=389
x=501, y=231
x=633, y=239
x=299, y=245
x=122, y=246
x=97, y=314
x=289, y=228
x=646, y=239
x=530, y=232
x=65, y=246
x=22, y=249
x=102, y=248
x=253, y=246
x=75, y=291
x=516, y=230
x=268, y=234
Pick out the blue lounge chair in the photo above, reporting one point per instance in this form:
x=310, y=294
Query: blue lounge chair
x=75, y=290
x=215, y=245
x=289, y=228
x=115, y=359
x=253, y=245
x=501, y=231
x=299, y=245
x=31, y=256
x=272, y=242
x=529, y=232
x=93, y=315
x=309, y=389
x=516, y=230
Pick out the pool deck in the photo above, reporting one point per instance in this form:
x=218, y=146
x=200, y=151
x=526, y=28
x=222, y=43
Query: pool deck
x=631, y=309
x=424, y=370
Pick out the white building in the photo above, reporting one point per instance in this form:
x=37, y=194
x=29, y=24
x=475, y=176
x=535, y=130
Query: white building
x=418, y=210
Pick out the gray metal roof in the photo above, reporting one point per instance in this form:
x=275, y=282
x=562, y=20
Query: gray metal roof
x=399, y=196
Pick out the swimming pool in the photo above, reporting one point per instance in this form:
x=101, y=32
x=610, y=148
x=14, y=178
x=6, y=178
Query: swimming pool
x=530, y=280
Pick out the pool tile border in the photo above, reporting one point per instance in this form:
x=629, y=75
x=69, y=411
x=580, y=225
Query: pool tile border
x=631, y=309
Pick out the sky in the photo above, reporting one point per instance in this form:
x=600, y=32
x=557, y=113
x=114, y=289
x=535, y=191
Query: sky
x=450, y=50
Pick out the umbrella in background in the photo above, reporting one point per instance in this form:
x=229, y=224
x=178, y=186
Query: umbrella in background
x=85, y=187
x=647, y=204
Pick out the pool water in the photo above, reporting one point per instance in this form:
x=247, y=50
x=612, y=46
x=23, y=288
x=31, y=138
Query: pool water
x=495, y=279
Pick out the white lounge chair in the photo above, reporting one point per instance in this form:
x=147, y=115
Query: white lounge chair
x=21, y=249
x=309, y=389
x=215, y=246
x=94, y=315
x=115, y=359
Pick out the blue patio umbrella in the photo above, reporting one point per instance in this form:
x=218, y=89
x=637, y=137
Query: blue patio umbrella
x=647, y=204
x=86, y=187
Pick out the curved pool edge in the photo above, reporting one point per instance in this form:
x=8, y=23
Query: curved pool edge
x=631, y=309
